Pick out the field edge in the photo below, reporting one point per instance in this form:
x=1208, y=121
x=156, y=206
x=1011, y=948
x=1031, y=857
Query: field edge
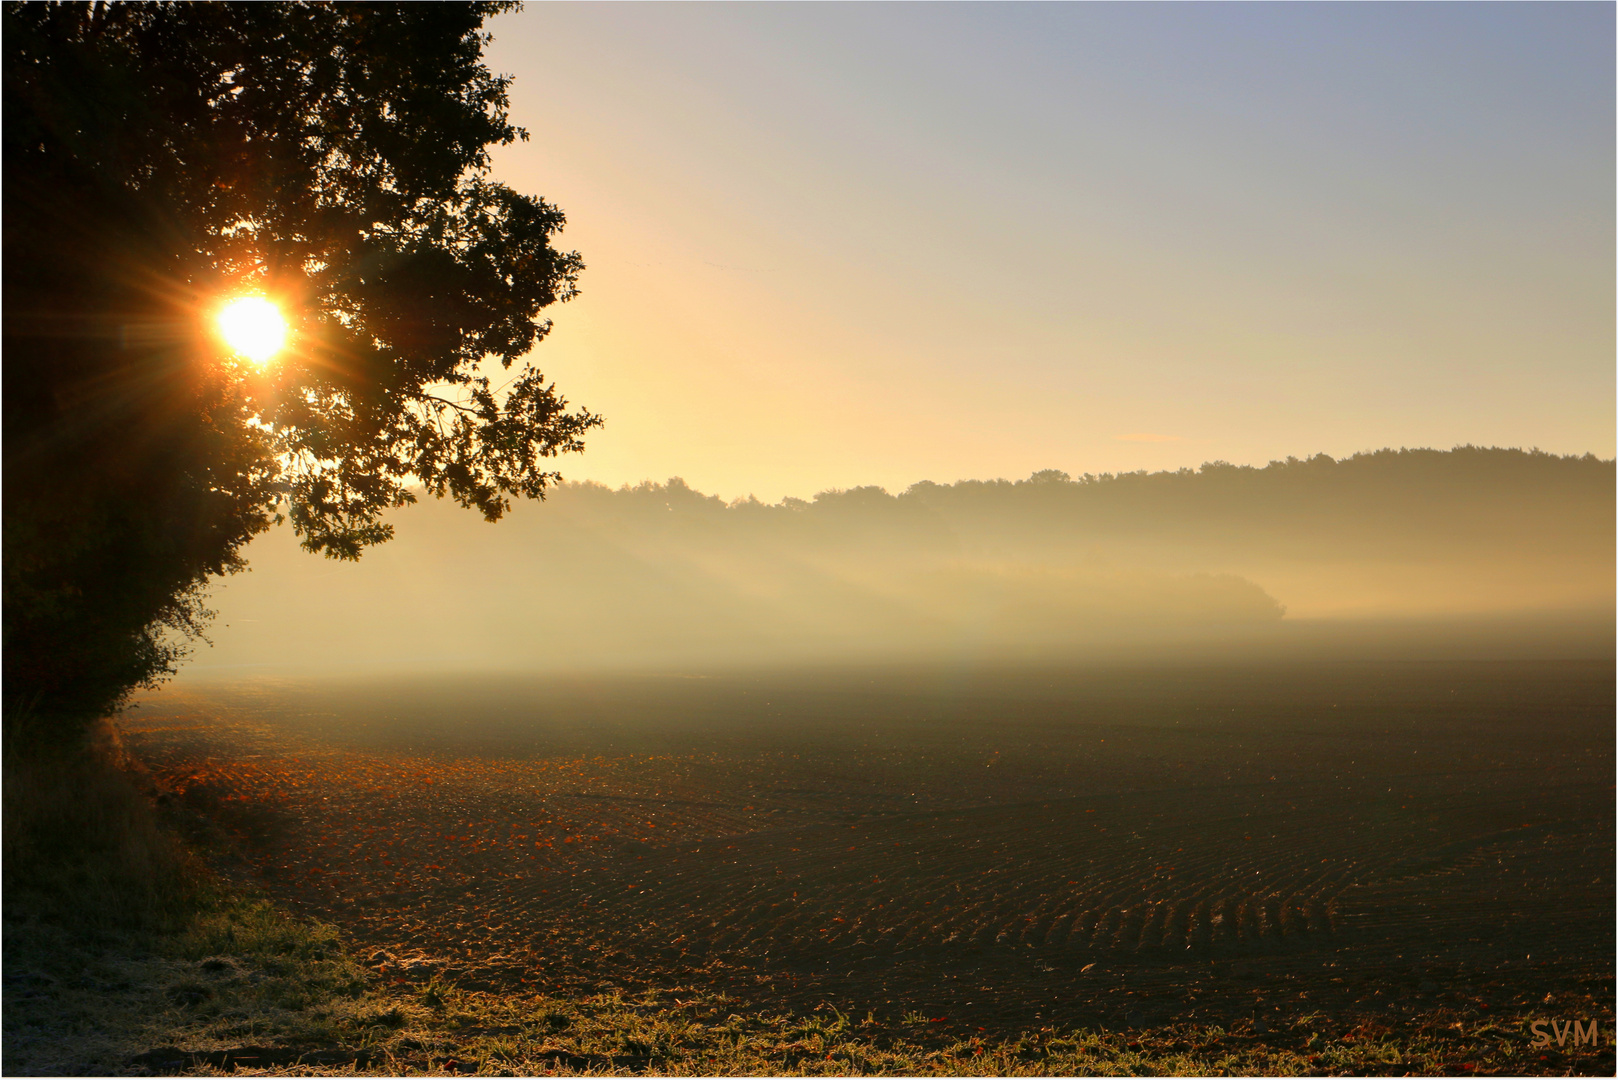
x=204, y=977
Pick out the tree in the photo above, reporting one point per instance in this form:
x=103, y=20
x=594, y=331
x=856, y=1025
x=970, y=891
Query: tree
x=331, y=157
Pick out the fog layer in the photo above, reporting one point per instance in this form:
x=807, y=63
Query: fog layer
x=1383, y=547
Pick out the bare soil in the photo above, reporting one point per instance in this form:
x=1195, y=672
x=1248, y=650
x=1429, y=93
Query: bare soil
x=1375, y=845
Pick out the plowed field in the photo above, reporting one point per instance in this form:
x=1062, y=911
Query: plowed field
x=994, y=850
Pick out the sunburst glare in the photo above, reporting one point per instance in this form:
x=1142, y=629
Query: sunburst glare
x=254, y=327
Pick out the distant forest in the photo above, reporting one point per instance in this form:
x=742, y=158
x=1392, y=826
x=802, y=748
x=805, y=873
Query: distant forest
x=1386, y=502
x=663, y=573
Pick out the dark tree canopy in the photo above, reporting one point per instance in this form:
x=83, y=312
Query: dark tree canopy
x=160, y=158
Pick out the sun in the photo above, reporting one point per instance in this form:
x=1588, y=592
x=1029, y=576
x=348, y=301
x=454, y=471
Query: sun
x=253, y=326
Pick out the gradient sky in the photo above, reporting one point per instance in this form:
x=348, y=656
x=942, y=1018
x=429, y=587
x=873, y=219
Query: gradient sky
x=832, y=245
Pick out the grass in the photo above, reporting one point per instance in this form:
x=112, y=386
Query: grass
x=248, y=988
x=124, y=955
x=83, y=846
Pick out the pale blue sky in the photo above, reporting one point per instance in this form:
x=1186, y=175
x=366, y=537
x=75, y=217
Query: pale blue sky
x=840, y=244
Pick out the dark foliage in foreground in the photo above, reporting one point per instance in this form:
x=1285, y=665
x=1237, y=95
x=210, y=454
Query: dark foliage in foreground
x=162, y=157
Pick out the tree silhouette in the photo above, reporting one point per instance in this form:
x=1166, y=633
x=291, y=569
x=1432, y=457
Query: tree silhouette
x=334, y=158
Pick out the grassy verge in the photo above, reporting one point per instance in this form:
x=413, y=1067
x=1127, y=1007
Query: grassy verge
x=123, y=956
x=246, y=989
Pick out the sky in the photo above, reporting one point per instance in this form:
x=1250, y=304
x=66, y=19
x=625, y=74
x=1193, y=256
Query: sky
x=832, y=245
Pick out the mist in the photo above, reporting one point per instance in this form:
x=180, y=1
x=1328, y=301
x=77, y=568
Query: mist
x=1469, y=552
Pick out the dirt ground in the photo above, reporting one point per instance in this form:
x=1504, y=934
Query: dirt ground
x=995, y=851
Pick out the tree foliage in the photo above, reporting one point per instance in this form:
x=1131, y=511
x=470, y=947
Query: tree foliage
x=160, y=158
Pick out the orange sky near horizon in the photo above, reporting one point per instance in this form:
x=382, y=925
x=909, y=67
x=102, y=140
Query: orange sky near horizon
x=831, y=245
